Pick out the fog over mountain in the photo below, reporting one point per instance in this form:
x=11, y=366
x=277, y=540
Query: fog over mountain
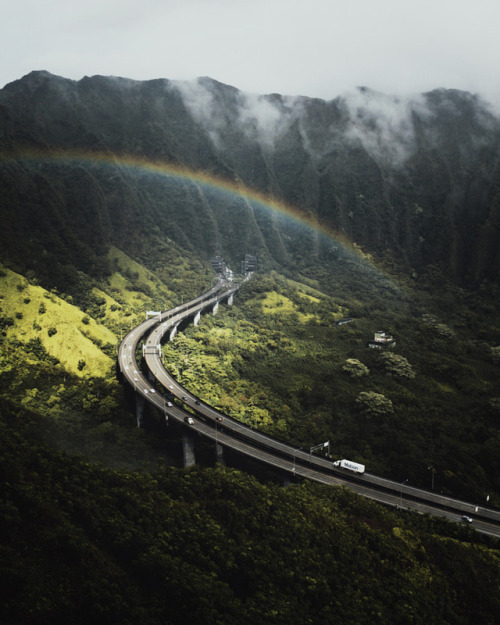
x=372, y=323
x=415, y=179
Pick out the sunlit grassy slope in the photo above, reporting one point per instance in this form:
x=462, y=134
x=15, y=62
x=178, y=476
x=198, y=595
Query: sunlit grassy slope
x=281, y=305
x=275, y=303
x=82, y=342
x=65, y=331
x=129, y=274
x=68, y=334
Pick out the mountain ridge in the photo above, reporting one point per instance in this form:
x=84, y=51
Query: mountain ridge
x=100, y=522
x=416, y=179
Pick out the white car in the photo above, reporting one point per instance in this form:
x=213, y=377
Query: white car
x=152, y=390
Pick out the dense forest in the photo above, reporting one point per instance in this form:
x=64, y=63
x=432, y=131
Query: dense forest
x=99, y=520
x=85, y=543
x=280, y=362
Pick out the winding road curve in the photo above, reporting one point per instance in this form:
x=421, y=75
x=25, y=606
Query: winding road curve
x=232, y=434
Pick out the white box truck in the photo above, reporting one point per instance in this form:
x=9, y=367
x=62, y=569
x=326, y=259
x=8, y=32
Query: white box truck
x=350, y=465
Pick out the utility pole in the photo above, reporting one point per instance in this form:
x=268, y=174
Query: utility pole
x=431, y=468
x=401, y=493
x=320, y=446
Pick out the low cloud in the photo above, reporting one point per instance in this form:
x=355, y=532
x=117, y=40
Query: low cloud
x=261, y=118
x=265, y=118
x=383, y=124
x=201, y=103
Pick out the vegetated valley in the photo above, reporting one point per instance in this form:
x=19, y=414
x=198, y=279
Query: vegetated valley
x=99, y=520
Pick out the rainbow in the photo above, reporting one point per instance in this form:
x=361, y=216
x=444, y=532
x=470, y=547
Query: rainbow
x=169, y=171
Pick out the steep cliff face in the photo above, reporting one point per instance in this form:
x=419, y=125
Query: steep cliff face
x=415, y=178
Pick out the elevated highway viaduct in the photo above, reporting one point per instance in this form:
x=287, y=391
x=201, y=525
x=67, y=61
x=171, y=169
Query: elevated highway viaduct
x=229, y=433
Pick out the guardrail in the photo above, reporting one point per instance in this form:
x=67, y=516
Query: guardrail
x=245, y=439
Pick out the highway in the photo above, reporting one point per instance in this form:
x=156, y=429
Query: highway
x=280, y=455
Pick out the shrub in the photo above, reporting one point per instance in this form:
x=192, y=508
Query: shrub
x=495, y=404
x=374, y=404
x=355, y=368
x=6, y=321
x=396, y=365
x=495, y=354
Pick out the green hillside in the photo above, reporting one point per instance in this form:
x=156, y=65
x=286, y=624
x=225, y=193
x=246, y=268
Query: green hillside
x=99, y=522
x=278, y=361
x=30, y=315
x=81, y=544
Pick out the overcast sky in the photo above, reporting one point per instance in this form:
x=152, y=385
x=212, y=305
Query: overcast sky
x=319, y=48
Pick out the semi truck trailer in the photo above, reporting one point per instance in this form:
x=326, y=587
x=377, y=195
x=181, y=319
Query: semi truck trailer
x=350, y=465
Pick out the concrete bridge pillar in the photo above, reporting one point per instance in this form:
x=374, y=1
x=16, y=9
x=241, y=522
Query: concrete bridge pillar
x=230, y=300
x=173, y=332
x=216, y=308
x=219, y=454
x=197, y=318
x=139, y=409
x=188, y=449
